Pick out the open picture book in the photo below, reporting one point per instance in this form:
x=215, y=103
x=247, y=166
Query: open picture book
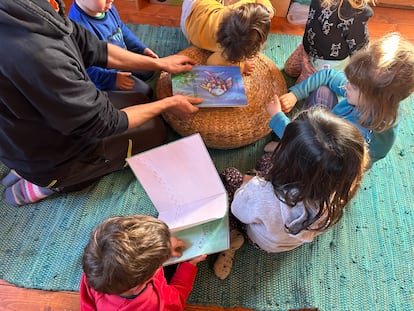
x=183, y=184
x=219, y=86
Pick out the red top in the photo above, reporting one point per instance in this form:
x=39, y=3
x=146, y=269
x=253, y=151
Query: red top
x=157, y=296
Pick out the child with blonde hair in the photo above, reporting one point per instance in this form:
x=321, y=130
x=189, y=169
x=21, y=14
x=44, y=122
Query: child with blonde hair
x=316, y=170
x=371, y=88
x=122, y=265
x=235, y=33
x=335, y=29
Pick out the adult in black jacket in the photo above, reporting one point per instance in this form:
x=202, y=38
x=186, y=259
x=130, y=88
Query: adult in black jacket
x=58, y=132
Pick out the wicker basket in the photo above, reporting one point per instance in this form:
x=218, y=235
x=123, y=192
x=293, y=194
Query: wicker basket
x=230, y=127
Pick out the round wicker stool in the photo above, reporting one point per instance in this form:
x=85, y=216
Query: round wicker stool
x=230, y=127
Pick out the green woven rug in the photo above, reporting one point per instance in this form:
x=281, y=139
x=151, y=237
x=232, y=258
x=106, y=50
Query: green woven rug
x=364, y=263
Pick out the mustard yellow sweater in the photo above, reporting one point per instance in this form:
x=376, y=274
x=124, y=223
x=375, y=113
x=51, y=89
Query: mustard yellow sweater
x=202, y=24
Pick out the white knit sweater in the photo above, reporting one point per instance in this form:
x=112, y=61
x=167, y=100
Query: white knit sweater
x=256, y=205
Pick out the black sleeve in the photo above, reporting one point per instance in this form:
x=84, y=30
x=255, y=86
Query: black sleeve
x=93, y=50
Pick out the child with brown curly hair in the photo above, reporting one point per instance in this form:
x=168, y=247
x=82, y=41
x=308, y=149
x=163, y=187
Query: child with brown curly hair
x=235, y=33
x=122, y=265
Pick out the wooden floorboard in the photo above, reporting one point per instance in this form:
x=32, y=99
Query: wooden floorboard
x=13, y=298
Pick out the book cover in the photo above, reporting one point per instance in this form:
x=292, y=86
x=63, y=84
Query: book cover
x=183, y=184
x=219, y=86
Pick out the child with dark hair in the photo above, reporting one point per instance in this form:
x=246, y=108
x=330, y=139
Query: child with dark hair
x=374, y=83
x=101, y=18
x=335, y=30
x=235, y=33
x=316, y=170
x=122, y=265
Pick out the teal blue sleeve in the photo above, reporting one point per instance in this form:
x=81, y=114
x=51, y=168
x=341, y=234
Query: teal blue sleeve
x=331, y=78
x=278, y=123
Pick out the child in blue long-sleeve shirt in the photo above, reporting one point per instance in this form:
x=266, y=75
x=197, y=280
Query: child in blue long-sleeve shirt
x=102, y=19
x=368, y=93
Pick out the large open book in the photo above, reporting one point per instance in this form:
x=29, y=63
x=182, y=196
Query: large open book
x=219, y=86
x=185, y=188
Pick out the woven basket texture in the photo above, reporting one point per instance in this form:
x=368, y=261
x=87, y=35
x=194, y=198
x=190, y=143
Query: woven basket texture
x=230, y=127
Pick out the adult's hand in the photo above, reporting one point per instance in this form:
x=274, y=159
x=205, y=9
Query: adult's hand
x=176, y=63
x=183, y=106
x=121, y=59
x=180, y=105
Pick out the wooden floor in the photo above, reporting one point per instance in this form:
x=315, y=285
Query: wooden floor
x=17, y=299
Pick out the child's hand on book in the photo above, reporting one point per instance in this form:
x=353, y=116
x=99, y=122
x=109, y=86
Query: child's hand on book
x=177, y=246
x=249, y=66
x=198, y=259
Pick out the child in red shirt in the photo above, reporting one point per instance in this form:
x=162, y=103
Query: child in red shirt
x=122, y=265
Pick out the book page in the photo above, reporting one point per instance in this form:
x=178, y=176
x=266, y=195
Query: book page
x=208, y=238
x=195, y=213
x=182, y=182
x=219, y=86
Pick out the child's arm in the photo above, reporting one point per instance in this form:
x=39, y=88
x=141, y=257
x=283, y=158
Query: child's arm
x=104, y=79
x=331, y=78
x=279, y=119
x=175, y=293
x=133, y=44
x=274, y=106
x=124, y=80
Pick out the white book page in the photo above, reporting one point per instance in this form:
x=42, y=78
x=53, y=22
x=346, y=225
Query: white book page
x=196, y=213
x=180, y=178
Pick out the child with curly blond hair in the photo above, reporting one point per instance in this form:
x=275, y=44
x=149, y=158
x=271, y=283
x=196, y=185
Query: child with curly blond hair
x=368, y=93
